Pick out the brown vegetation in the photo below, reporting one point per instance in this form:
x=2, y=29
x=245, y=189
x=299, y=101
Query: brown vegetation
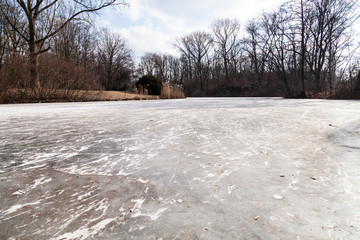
x=117, y=96
x=60, y=95
x=60, y=80
x=169, y=91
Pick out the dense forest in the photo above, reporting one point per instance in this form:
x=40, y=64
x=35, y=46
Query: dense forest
x=306, y=48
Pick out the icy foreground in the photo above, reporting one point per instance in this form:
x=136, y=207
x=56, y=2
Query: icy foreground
x=237, y=168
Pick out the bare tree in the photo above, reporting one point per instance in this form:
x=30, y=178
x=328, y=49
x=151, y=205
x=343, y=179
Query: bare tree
x=330, y=35
x=146, y=65
x=322, y=32
x=67, y=42
x=163, y=66
x=10, y=42
x=76, y=43
x=4, y=36
x=226, y=33
x=115, y=61
x=196, y=48
x=256, y=44
x=274, y=25
x=46, y=18
x=300, y=10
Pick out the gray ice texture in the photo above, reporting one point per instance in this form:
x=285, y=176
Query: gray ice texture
x=196, y=168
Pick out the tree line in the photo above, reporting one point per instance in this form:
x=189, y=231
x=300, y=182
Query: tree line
x=306, y=48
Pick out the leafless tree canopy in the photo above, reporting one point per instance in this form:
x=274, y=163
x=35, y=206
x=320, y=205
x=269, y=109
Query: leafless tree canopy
x=196, y=50
x=36, y=22
x=305, y=48
x=163, y=66
x=226, y=38
x=115, y=61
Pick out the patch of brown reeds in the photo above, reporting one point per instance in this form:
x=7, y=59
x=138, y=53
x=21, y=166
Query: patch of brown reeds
x=169, y=91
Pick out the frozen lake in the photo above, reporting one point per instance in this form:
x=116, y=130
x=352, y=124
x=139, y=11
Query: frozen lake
x=226, y=168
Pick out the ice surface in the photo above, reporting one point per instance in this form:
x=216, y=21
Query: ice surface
x=210, y=168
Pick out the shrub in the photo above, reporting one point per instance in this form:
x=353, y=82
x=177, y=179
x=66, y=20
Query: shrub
x=150, y=83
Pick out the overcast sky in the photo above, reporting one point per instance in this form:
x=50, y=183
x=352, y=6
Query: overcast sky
x=154, y=25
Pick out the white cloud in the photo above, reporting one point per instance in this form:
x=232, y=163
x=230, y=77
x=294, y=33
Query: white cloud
x=154, y=25
x=145, y=39
x=134, y=11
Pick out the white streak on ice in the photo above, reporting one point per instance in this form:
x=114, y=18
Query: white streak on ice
x=137, y=206
x=153, y=216
x=38, y=182
x=142, y=180
x=231, y=188
x=86, y=195
x=85, y=232
x=19, y=206
x=137, y=209
x=19, y=192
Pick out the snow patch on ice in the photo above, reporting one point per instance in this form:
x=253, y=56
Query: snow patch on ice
x=40, y=181
x=123, y=173
x=198, y=179
x=138, y=204
x=142, y=180
x=153, y=216
x=226, y=173
x=86, y=195
x=83, y=148
x=231, y=188
x=137, y=210
x=19, y=206
x=278, y=197
x=19, y=192
x=85, y=232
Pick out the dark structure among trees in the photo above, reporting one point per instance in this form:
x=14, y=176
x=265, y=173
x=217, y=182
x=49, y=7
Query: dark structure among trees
x=149, y=84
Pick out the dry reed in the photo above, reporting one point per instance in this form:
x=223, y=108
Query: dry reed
x=172, y=91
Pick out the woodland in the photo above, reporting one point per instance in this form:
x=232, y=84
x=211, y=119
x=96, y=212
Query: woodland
x=53, y=50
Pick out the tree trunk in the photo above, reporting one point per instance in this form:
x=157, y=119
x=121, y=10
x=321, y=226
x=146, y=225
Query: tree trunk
x=34, y=76
x=288, y=91
x=34, y=64
x=318, y=80
x=34, y=56
x=227, y=81
x=302, y=93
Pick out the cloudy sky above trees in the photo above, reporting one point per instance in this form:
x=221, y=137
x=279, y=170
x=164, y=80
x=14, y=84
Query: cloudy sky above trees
x=154, y=25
